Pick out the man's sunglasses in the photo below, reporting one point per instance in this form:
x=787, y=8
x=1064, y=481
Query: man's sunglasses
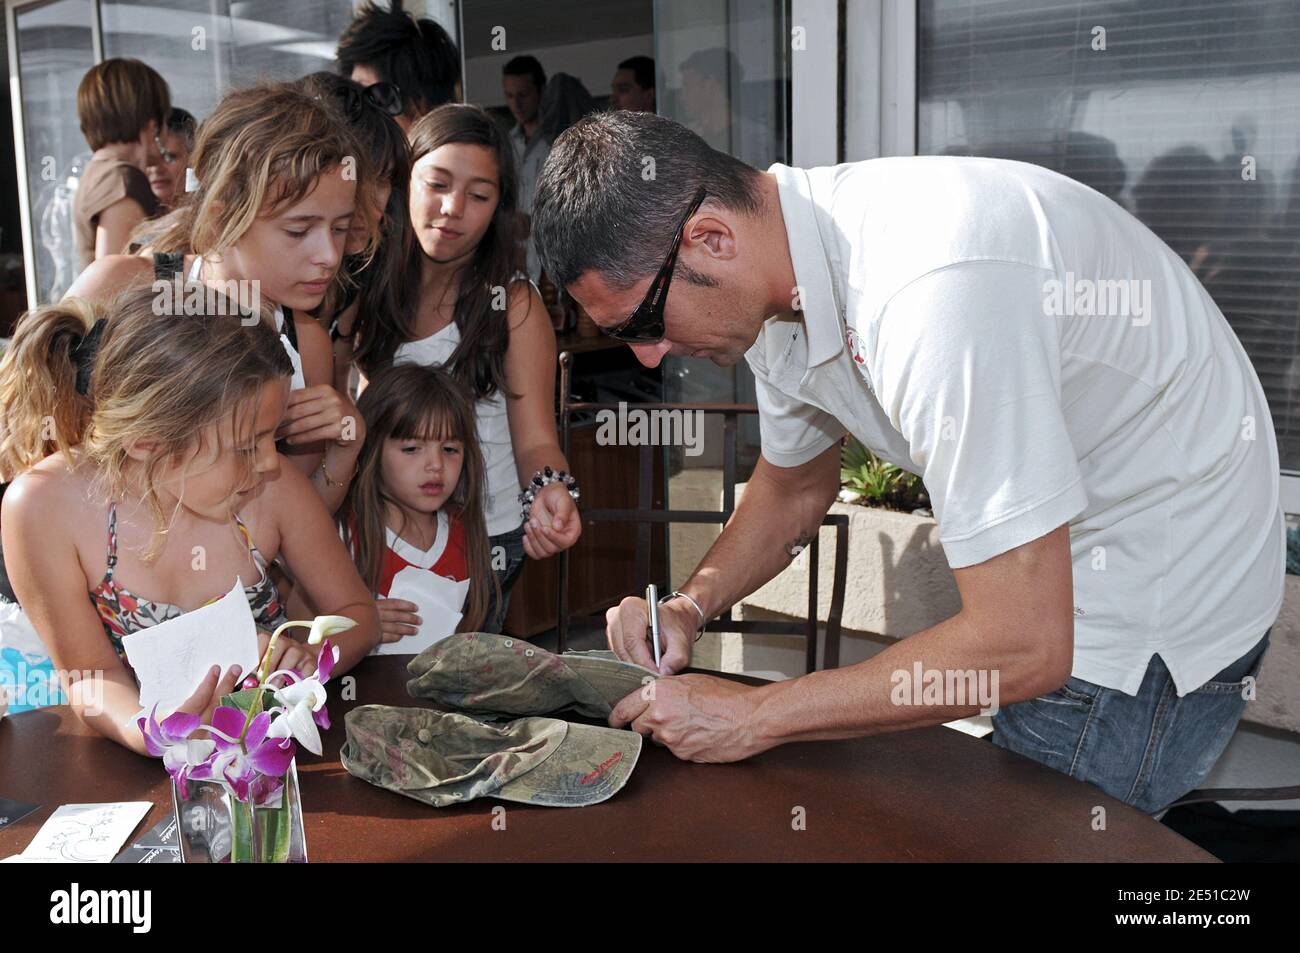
x=646, y=324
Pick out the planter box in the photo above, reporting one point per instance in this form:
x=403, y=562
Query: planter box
x=898, y=579
x=1277, y=702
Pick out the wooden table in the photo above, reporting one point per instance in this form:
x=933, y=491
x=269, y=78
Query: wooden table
x=932, y=794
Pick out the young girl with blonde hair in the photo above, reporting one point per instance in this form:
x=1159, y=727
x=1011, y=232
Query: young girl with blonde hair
x=136, y=443
x=280, y=179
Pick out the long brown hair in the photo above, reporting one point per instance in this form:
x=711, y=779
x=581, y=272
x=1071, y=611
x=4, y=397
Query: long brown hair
x=414, y=402
x=164, y=371
x=479, y=359
x=384, y=284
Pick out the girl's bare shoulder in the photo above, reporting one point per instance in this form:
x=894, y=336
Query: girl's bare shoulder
x=53, y=491
x=105, y=277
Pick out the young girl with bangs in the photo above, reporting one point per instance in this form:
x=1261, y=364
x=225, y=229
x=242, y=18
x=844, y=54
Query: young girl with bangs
x=278, y=173
x=475, y=313
x=417, y=499
x=125, y=463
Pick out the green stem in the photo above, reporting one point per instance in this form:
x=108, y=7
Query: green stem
x=263, y=667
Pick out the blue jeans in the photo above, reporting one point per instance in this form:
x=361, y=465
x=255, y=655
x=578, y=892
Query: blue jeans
x=1147, y=750
x=512, y=544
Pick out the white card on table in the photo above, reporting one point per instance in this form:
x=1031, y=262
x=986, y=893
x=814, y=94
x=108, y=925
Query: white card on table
x=171, y=658
x=84, y=833
x=439, y=600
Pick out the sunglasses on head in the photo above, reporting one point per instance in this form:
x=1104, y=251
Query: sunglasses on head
x=386, y=97
x=646, y=323
x=167, y=155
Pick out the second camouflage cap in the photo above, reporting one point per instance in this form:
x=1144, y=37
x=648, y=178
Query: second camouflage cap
x=482, y=672
x=446, y=758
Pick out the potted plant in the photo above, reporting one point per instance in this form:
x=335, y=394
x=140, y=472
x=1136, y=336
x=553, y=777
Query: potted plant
x=899, y=581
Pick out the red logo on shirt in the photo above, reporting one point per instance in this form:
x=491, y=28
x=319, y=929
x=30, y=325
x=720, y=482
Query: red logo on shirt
x=851, y=340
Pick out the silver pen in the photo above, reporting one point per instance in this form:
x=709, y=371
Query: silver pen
x=652, y=600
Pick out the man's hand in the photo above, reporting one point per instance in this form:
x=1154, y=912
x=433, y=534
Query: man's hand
x=698, y=717
x=627, y=629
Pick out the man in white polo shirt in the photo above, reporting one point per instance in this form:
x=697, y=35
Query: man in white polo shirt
x=1095, y=442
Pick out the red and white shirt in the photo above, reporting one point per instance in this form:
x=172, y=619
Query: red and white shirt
x=446, y=556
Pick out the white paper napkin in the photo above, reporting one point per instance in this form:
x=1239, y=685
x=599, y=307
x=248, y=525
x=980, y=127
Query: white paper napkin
x=171, y=658
x=440, y=601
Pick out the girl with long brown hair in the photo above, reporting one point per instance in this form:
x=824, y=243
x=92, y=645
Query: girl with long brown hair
x=478, y=316
x=417, y=499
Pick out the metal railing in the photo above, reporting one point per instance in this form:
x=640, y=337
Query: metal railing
x=645, y=515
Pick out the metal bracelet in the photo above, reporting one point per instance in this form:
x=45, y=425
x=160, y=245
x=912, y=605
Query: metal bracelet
x=691, y=600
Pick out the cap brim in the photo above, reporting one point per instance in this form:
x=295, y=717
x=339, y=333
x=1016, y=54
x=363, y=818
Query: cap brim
x=590, y=765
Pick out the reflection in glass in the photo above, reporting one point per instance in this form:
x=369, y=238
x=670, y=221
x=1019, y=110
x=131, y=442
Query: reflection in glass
x=53, y=53
x=724, y=70
x=1183, y=111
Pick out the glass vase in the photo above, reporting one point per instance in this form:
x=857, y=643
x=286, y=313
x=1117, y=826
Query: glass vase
x=216, y=827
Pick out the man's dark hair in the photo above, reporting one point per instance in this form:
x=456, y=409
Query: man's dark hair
x=616, y=185
x=526, y=66
x=643, y=70
x=416, y=54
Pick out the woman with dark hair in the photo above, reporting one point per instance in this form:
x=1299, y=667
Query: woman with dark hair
x=382, y=283
x=476, y=314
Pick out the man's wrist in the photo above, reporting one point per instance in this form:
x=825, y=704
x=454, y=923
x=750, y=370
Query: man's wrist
x=762, y=729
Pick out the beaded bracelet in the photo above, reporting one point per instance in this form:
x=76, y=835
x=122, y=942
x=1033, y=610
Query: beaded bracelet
x=540, y=479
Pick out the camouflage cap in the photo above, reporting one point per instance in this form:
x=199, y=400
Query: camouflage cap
x=482, y=672
x=445, y=758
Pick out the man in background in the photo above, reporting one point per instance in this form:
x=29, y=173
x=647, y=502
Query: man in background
x=523, y=80
x=167, y=176
x=633, y=85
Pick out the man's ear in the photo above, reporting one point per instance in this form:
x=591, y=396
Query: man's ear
x=715, y=234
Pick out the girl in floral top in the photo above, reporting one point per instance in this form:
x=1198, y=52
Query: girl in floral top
x=141, y=446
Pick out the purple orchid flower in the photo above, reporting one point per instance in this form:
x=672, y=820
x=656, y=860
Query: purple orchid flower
x=184, y=757
x=248, y=767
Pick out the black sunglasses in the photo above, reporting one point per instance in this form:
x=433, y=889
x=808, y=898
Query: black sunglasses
x=646, y=324
x=386, y=97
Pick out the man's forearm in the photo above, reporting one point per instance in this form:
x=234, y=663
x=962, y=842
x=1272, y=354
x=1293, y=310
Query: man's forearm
x=772, y=523
x=951, y=670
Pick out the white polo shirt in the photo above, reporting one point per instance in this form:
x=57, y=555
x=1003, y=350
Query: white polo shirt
x=1039, y=357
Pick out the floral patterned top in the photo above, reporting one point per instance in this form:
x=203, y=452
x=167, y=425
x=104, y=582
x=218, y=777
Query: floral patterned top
x=122, y=613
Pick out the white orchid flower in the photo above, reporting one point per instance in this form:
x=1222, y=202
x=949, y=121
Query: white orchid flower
x=301, y=701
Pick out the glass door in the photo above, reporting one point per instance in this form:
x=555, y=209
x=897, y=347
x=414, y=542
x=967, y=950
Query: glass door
x=51, y=45
x=724, y=71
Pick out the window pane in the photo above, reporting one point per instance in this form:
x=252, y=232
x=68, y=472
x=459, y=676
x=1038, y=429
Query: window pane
x=55, y=49
x=724, y=72
x=204, y=48
x=1187, y=112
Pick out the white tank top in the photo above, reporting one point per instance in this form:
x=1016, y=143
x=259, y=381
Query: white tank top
x=299, y=381
x=502, y=510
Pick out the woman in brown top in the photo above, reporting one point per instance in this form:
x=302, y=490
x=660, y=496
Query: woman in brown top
x=122, y=105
